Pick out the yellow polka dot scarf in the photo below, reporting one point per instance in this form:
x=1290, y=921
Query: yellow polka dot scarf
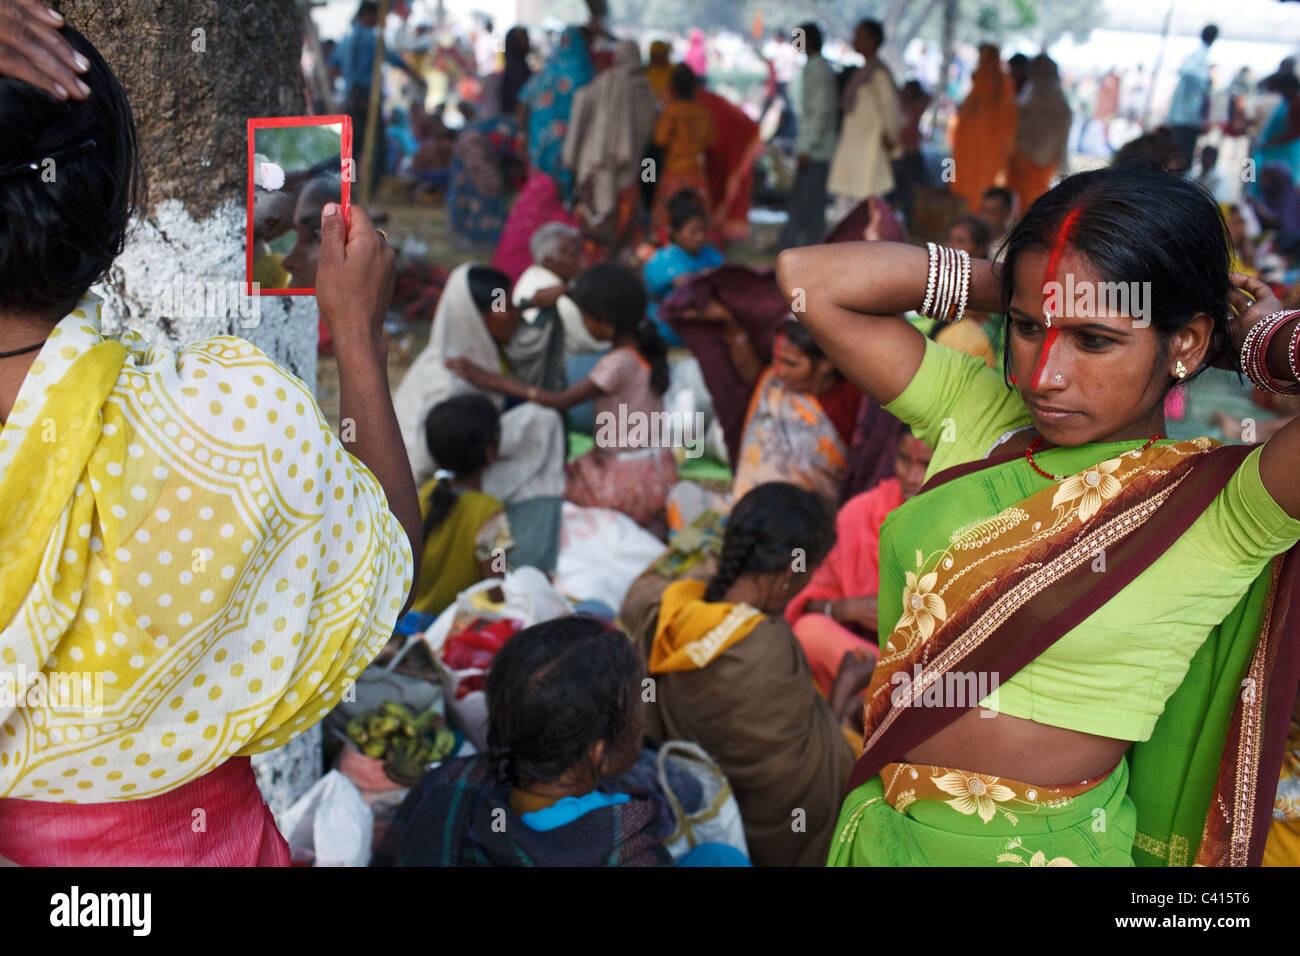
x=191, y=565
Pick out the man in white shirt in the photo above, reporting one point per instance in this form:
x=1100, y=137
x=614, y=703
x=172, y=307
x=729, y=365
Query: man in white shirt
x=1187, y=110
x=814, y=148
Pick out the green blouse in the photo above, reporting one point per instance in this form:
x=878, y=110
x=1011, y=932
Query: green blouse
x=1112, y=674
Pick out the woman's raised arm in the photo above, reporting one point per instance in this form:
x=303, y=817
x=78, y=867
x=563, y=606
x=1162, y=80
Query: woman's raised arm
x=850, y=296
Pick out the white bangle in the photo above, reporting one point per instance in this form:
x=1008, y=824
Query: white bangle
x=954, y=270
x=930, y=278
x=941, y=296
x=964, y=289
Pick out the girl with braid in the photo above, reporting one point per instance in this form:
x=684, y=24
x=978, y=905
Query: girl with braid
x=730, y=675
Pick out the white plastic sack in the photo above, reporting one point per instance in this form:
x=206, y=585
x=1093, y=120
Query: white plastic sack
x=601, y=553
x=330, y=825
x=529, y=598
x=718, y=819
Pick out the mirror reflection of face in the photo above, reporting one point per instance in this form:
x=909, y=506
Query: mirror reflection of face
x=302, y=258
x=303, y=163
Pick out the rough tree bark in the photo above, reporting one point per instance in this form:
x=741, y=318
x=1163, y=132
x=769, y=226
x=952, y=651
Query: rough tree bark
x=195, y=71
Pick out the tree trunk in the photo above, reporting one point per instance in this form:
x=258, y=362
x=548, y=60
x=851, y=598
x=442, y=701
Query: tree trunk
x=195, y=71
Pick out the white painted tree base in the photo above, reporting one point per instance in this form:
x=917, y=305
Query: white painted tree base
x=286, y=773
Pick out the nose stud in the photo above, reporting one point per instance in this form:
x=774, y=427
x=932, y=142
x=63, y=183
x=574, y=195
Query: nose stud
x=1058, y=379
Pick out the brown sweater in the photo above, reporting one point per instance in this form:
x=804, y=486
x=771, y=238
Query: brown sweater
x=755, y=710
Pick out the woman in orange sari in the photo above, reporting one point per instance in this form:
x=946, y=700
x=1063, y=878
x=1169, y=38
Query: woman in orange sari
x=985, y=135
x=1043, y=133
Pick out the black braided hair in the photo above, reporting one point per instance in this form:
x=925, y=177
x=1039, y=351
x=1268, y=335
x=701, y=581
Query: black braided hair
x=556, y=689
x=765, y=528
x=459, y=433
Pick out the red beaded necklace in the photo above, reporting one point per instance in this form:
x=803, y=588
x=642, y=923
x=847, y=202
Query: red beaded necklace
x=1033, y=447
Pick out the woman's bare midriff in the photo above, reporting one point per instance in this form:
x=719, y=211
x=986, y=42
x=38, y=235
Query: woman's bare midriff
x=981, y=741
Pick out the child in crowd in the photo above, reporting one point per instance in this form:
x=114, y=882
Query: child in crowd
x=566, y=715
x=688, y=250
x=687, y=253
x=466, y=533
x=632, y=467
x=685, y=131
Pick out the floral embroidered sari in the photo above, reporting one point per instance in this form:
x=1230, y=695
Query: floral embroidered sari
x=997, y=594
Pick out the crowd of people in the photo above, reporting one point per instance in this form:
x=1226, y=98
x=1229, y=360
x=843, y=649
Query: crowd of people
x=887, y=627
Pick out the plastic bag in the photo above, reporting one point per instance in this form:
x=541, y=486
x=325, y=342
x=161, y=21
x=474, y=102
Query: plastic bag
x=601, y=553
x=718, y=818
x=330, y=825
x=529, y=598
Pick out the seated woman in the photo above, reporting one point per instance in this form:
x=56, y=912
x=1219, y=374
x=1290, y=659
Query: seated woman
x=835, y=614
x=1076, y=602
x=557, y=259
x=197, y=543
x=552, y=325
x=475, y=319
x=630, y=470
x=730, y=676
x=466, y=532
x=566, y=715
x=800, y=420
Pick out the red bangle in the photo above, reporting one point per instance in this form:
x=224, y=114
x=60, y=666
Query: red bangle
x=1254, y=353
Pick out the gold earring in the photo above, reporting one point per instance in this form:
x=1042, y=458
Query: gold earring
x=1180, y=369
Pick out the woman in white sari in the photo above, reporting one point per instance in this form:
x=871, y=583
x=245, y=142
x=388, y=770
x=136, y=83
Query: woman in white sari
x=528, y=473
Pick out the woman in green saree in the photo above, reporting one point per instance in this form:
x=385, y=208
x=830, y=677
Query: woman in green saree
x=1092, y=653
